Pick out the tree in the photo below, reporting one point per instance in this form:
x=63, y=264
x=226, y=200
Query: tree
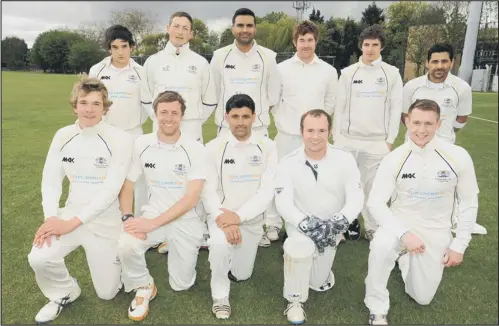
x=316, y=16
x=350, y=42
x=153, y=43
x=84, y=54
x=454, y=31
x=140, y=23
x=14, y=52
x=200, y=40
x=330, y=37
x=273, y=17
x=420, y=39
x=94, y=31
x=372, y=15
x=212, y=42
x=227, y=38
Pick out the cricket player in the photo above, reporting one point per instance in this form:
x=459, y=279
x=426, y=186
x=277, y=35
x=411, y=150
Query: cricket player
x=178, y=68
x=95, y=157
x=318, y=192
x=174, y=166
x=244, y=167
x=128, y=91
x=426, y=175
x=245, y=67
x=452, y=94
x=367, y=114
x=307, y=83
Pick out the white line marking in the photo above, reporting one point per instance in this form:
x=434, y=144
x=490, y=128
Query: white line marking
x=483, y=119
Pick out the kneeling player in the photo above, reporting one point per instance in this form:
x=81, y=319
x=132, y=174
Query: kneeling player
x=243, y=167
x=95, y=157
x=318, y=193
x=425, y=175
x=174, y=168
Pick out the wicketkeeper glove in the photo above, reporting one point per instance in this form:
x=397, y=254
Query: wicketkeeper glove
x=318, y=231
x=338, y=223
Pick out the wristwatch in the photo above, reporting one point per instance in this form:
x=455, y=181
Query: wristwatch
x=126, y=217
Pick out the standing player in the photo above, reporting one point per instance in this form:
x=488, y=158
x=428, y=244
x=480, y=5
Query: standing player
x=307, y=83
x=123, y=78
x=178, y=68
x=174, y=166
x=452, y=94
x=95, y=157
x=423, y=175
x=245, y=67
x=367, y=113
x=244, y=166
x=318, y=193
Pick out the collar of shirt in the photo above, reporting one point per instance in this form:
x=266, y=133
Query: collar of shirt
x=107, y=62
x=432, y=85
x=303, y=156
x=250, y=52
x=159, y=144
x=94, y=130
x=375, y=63
x=171, y=49
x=298, y=60
x=428, y=147
x=233, y=142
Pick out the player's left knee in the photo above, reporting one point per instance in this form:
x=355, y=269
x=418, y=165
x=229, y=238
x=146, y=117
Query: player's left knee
x=242, y=275
x=181, y=283
x=107, y=293
x=422, y=298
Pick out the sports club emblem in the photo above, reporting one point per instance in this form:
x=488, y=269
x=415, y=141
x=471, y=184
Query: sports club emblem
x=256, y=67
x=380, y=81
x=100, y=162
x=192, y=69
x=180, y=169
x=166, y=68
x=255, y=160
x=132, y=79
x=443, y=176
x=447, y=102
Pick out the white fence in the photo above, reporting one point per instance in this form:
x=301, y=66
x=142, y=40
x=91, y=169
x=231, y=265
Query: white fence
x=484, y=80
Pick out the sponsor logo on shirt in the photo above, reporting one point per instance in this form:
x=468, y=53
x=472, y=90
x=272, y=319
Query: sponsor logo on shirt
x=358, y=81
x=417, y=194
x=244, y=80
x=192, y=69
x=371, y=94
x=244, y=177
x=105, y=77
x=180, y=169
x=380, y=81
x=255, y=160
x=166, y=68
x=229, y=161
x=230, y=66
x=150, y=165
x=443, y=176
x=256, y=67
x=120, y=95
x=91, y=179
x=100, y=162
x=68, y=159
x=166, y=184
x=133, y=79
x=409, y=176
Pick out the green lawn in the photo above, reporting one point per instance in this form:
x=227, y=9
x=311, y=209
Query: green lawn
x=34, y=106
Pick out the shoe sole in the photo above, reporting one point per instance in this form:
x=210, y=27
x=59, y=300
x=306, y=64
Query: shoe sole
x=154, y=292
x=296, y=322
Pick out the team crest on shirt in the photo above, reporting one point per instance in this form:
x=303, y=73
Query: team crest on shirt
x=100, y=162
x=192, y=69
x=443, y=176
x=256, y=67
x=165, y=68
x=180, y=169
x=447, y=102
x=132, y=79
x=380, y=81
x=255, y=160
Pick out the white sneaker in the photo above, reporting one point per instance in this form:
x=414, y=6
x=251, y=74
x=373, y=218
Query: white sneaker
x=264, y=241
x=52, y=309
x=377, y=319
x=139, y=308
x=273, y=233
x=295, y=313
x=221, y=308
x=163, y=248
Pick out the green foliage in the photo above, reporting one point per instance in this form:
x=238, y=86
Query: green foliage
x=14, y=52
x=372, y=15
x=84, y=54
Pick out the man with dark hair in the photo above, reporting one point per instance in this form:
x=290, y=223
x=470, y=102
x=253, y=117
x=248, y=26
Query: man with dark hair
x=307, y=83
x=123, y=78
x=175, y=168
x=243, y=166
x=423, y=177
x=367, y=114
x=452, y=94
x=318, y=193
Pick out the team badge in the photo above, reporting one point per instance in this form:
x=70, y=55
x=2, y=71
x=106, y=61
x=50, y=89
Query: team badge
x=132, y=79
x=443, y=176
x=255, y=160
x=192, y=69
x=180, y=169
x=100, y=162
x=380, y=81
x=166, y=68
x=256, y=67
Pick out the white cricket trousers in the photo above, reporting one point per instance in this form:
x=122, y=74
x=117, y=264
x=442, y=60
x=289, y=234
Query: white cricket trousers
x=421, y=273
x=368, y=155
x=53, y=277
x=238, y=259
x=304, y=267
x=184, y=236
x=192, y=128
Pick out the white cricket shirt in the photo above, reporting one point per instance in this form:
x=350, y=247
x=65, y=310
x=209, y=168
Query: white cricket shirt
x=253, y=73
x=369, y=102
x=168, y=168
x=303, y=87
x=425, y=184
x=453, y=96
x=323, y=188
x=244, y=174
x=95, y=160
x=128, y=91
x=188, y=74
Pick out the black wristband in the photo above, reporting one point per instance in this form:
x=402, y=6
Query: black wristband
x=126, y=217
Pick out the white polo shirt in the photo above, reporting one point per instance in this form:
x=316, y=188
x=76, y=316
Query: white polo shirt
x=244, y=174
x=322, y=188
x=130, y=95
x=453, y=96
x=168, y=168
x=95, y=160
x=253, y=73
x=304, y=86
x=425, y=183
x=188, y=74
x=369, y=102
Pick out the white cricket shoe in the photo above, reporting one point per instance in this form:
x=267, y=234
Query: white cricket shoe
x=264, y=241
x=295, y=313
x=163, y=248
x=221, y=308
x=273, y=233
x=139, y=308
x=377, y=319
x=52, y=309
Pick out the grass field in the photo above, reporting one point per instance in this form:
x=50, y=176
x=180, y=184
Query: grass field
x=34, y=106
